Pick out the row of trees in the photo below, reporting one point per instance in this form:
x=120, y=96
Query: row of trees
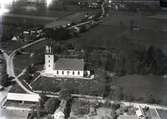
x=146, y=61
x=57, y=34
x=132, y=60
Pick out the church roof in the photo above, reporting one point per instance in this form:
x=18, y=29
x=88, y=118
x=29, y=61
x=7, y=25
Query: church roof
x=69, y=64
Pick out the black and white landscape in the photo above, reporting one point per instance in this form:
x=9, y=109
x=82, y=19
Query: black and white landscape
x=83, y=59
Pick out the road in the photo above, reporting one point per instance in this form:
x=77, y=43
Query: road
x=91, y=21
x=10, y=65
x=102, y=100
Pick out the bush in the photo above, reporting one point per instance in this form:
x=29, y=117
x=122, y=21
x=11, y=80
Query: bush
x=115, y=106
x=51, y=105
x=6, y=81
x=65, y=94
x=152, y=100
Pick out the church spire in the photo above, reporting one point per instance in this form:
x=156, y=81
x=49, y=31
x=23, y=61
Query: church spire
x=49, y=59
x=48, y=49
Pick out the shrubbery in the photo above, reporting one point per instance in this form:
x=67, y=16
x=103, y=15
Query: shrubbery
x=51, y=105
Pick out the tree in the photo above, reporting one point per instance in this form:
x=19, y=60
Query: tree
x=114, y=115
x=115, y=106
x=6, y=81
x=153, y=61
x=81, y=107
x=152, y=100
x=51, y=105
x=42, y=100
x=65, y=94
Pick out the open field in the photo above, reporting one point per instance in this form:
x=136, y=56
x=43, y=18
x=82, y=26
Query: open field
x=9, y=46
x=22, y=61
x=145, y=87
x=115, y=32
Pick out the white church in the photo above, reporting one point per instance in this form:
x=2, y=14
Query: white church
x=63, y=67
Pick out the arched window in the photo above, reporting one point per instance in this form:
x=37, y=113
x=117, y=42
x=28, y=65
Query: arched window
x=78, y=72
x=73, y=72
x=57, y=72
x=62, y=72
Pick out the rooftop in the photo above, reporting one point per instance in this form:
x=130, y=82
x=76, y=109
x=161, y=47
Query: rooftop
x=69, y=64
x=23, y=97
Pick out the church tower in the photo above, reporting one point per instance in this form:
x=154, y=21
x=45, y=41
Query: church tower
x=49, y=60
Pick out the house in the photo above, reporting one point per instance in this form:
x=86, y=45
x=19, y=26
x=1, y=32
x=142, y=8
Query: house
x=23, y=97
x=63, y=67
x=20, y=101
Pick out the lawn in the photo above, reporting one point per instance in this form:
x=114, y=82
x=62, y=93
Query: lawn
x=46, y=84
x=76, y=86
x=22, y=61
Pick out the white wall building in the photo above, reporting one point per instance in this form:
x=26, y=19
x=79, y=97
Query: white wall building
x=23, y=97
x=20, y=101
x=63, y=67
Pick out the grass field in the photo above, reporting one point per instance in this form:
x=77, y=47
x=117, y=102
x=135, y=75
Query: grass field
x=110, y=34
x=139, y=86
x=76, y=86
x=9, y=46
x=22, y=61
